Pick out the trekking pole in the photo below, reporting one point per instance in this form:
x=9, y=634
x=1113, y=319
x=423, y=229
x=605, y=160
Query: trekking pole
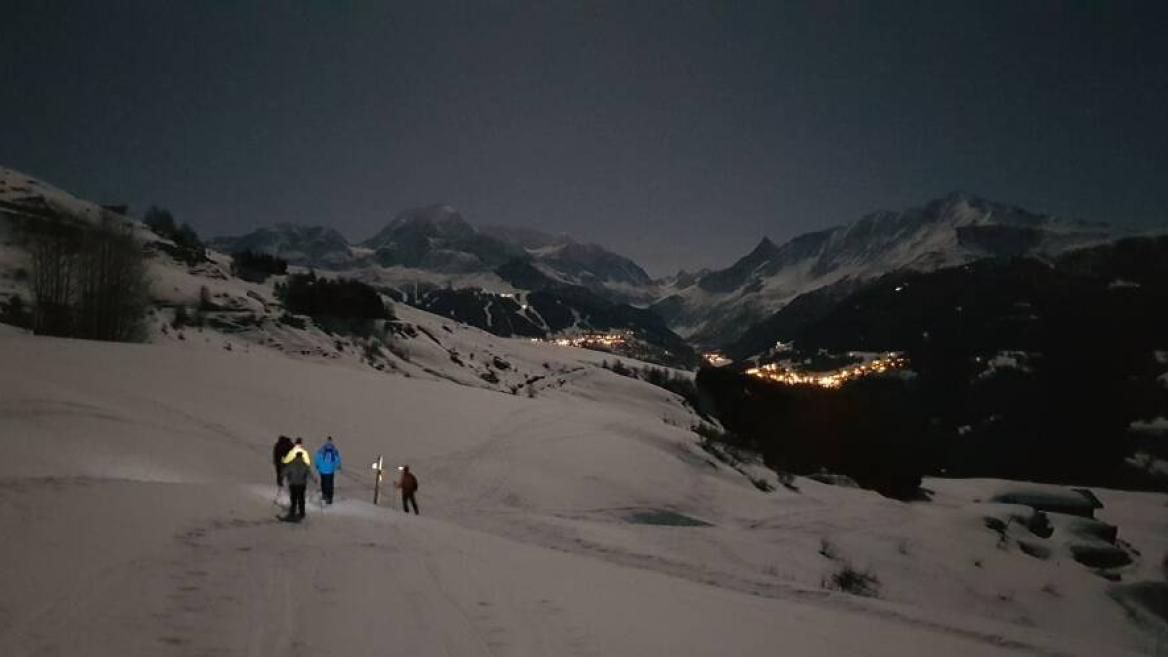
x=378, y=466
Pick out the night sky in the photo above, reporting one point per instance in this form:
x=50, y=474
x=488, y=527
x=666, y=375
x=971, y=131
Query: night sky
x=676, y=133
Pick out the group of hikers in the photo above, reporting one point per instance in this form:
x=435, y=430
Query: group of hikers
x=294, y=469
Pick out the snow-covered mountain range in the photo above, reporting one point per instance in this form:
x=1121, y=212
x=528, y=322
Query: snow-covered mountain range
x=717, y=307
x=424, y=244
x=435, y=248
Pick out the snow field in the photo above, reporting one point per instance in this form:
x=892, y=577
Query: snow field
x=139, y=477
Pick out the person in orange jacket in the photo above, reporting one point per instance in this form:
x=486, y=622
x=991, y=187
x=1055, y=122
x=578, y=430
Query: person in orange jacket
x=408, y=485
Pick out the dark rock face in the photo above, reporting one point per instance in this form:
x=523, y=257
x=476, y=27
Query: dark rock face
x=736, y=275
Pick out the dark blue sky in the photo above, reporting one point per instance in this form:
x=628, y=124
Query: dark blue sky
x=676, y=133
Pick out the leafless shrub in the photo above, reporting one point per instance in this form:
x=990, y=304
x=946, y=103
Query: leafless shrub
x=855, y=581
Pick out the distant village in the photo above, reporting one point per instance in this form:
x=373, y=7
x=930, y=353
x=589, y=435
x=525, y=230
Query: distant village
x=788, y=374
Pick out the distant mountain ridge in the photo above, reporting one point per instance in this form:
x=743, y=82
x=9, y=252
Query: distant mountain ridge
x=435, y=248
x=718, y=307
x=437, y=238
x=510, y=281
x=318, y=246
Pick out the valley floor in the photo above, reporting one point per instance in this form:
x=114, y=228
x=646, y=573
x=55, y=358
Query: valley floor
x=136, y=500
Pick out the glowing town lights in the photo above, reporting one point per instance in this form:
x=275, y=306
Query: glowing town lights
x=716, y=359
x=591, y=340
x=831, y=380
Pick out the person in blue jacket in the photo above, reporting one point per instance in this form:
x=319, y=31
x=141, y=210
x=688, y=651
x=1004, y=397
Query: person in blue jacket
x=328, y=461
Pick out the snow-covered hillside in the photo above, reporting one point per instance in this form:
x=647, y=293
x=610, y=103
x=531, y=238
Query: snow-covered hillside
x=137, y=489
x=23, y=194
x=28, y=204
x=719, y=306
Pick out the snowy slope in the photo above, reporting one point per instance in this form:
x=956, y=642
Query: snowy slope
x=20, y=193
x=161, y=452
x=418, y=343
x=27, y=201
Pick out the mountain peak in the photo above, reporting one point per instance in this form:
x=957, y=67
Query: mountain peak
x=420, y=223
x=299, y=244
x=957, y=196
x=765, y=247
x=439, y=215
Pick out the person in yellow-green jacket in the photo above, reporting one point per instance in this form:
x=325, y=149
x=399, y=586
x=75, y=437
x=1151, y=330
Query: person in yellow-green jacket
x=297, y=472
x=298, y=452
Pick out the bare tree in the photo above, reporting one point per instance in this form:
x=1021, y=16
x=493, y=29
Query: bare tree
x=113, y=291
x=89, y=282
x=54, y=247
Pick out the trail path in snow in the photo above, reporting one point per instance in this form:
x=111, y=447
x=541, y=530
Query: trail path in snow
x=206, y=570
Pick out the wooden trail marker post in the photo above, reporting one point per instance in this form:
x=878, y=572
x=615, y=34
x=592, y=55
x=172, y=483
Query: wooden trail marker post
x=378, y=467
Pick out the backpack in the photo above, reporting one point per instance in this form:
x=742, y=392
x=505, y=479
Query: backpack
x=328, y=453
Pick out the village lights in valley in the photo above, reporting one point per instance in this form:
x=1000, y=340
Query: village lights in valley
x=715, y=359
x=779, y=374
x=591, y=340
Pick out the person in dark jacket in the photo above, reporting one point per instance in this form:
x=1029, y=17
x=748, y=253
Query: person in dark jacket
x=297, y=472
x=408, y=485
x=281, y=449
x=328, y=461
